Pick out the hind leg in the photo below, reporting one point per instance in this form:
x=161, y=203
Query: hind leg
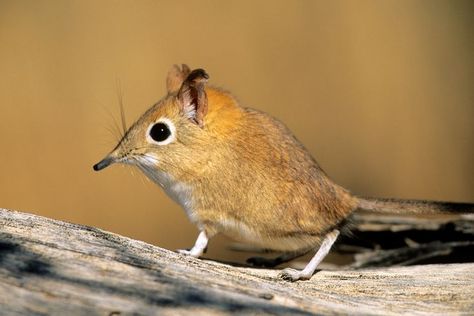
x=307, y=272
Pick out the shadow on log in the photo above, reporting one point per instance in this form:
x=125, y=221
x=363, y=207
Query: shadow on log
x=382, y=240
x=52, y=267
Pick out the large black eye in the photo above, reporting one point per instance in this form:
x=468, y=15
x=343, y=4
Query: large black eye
x=159, y=132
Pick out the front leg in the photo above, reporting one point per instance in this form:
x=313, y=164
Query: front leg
x=199, y=246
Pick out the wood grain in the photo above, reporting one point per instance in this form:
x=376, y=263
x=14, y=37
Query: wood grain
x=48, y=267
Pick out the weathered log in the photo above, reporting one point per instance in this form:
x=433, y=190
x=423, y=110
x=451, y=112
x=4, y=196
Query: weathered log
x=379, y=240
x=57, y=268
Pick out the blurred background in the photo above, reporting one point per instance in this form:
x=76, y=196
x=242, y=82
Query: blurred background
x=380, y=92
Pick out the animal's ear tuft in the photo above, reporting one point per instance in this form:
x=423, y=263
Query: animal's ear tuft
x=192, y=97
x=176, y=76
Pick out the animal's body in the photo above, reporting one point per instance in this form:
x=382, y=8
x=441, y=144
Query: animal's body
x=236, y=171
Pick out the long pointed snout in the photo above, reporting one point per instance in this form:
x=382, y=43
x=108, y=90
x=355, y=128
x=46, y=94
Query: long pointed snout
x=107, y=161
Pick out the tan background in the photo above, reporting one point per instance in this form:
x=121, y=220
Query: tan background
x=381, y=92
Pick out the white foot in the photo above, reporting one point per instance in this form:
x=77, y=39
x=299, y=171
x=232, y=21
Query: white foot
x=188, y=253
x=199, y=246
x=293, y=275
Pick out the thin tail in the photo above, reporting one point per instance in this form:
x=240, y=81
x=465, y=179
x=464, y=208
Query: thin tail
x=414, y=207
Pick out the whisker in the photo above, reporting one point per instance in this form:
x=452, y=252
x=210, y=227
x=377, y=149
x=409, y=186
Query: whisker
x=113, y=133
x=145, y=180
x=122, y=111
x=114, y=129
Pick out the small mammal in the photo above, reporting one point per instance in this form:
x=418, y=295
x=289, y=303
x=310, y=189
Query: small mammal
x=240, y=172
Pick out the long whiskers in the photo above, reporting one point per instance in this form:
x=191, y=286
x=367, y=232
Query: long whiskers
x=114, y=128
x=122, y=111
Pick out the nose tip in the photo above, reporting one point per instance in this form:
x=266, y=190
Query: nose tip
x=103, y=163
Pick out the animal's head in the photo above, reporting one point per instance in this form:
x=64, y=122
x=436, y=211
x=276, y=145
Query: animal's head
x=170, y=136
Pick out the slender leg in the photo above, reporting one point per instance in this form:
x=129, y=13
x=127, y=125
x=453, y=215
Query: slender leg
x=199, y=246
x=272, y=262
x=305, y=274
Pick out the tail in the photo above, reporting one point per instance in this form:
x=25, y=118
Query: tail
x=414, y=207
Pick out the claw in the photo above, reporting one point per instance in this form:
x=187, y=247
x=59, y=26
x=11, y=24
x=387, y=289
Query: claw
x=292, y=275
x=184, y=252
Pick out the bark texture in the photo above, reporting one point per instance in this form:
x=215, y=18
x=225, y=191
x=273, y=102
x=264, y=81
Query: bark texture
x=48, y=267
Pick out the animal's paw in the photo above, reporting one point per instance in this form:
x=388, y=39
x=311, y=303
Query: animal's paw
x=187, y=252
x=293, y=275
x=184, y=252
x=262, y=262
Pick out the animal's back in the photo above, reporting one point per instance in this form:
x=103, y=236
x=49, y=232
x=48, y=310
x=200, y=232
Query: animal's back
x=268, y=189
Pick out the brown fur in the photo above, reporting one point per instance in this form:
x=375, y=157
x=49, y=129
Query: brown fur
x=242, y=173
x=250, y=177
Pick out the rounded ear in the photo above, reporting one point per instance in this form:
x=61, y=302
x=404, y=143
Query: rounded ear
x=192, y=98
x=176, y=76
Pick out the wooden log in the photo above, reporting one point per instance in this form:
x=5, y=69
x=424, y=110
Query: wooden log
x=388, y=240
x=48, y=267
